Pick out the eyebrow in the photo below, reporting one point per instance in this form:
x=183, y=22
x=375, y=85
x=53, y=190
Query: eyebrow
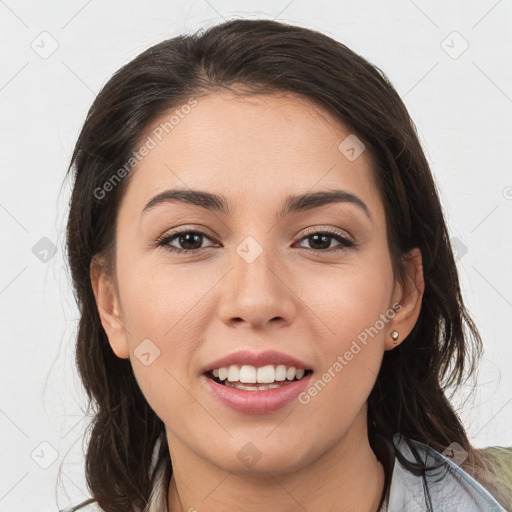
x=291, y=204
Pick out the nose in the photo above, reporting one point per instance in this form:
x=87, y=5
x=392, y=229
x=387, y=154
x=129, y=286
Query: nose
x=259, y=294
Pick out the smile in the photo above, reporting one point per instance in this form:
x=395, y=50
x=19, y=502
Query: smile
x=251, y=378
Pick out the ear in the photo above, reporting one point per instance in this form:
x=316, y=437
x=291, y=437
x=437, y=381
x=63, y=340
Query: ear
x=407, y=297
x=108, y=307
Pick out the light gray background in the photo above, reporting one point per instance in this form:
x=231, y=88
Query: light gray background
x=461, y=102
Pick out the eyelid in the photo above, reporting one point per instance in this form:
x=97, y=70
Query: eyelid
x=189, y=228
x=330, y=230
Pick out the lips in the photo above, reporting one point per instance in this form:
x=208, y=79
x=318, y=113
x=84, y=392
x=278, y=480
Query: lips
x=256, y=402
x=234, y=381
x=257, y=359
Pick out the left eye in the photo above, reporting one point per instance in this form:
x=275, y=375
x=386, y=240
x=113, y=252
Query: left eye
x=324, y=239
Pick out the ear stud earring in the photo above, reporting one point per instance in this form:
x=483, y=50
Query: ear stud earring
x=395, y=335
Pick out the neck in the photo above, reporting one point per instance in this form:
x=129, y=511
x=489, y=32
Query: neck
x=347, y=477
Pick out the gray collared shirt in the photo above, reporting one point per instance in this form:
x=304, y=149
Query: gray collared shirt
x=450, y=487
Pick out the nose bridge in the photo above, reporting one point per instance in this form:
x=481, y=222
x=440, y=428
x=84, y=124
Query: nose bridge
x=254, y=290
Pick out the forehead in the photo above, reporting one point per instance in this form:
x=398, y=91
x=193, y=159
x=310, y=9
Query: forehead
x=260, y=147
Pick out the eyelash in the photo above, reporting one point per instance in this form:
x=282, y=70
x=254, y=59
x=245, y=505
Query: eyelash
x=345, y=243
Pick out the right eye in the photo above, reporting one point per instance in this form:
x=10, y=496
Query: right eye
x=190, y=240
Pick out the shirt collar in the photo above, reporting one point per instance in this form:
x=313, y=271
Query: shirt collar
x=450, y=487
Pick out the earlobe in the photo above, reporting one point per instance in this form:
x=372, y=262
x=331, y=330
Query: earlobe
x=407, y=297
x=108, y=306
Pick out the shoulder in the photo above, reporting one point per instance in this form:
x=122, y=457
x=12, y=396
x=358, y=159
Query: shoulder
x=450, y=488
x=500, y=459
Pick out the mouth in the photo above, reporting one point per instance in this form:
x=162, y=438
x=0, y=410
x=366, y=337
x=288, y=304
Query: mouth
x=263, y=378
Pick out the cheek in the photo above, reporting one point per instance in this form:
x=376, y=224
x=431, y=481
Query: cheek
x=354, y=304
x=165, y=310
x=351, y=359
x=160, y=301
x=351, y=298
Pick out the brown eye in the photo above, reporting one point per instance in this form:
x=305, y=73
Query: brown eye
x=187, y=241
x=321, y=241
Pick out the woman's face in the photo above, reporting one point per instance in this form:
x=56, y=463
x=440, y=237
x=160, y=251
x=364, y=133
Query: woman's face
x=308, y=279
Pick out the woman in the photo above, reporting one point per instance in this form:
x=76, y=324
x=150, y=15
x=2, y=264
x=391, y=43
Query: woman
x=270, y=307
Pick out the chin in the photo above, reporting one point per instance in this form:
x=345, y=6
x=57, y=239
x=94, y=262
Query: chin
x=257, y=456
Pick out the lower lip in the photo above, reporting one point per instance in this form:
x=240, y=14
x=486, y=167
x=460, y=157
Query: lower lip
x=256, y=402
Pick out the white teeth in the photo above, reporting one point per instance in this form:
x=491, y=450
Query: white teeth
x=248, y=374
x=290, y=373
x=280, y=372
x=233, y=373
x=266, y=374
x=259, y=387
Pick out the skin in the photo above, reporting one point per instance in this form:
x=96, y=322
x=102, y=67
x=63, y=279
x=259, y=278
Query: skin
x=198, y=307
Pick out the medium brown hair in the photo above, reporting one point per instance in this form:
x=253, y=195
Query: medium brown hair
x=263, y=57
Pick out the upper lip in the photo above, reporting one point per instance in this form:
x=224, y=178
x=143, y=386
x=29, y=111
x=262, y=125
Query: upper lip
x=256, y=359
